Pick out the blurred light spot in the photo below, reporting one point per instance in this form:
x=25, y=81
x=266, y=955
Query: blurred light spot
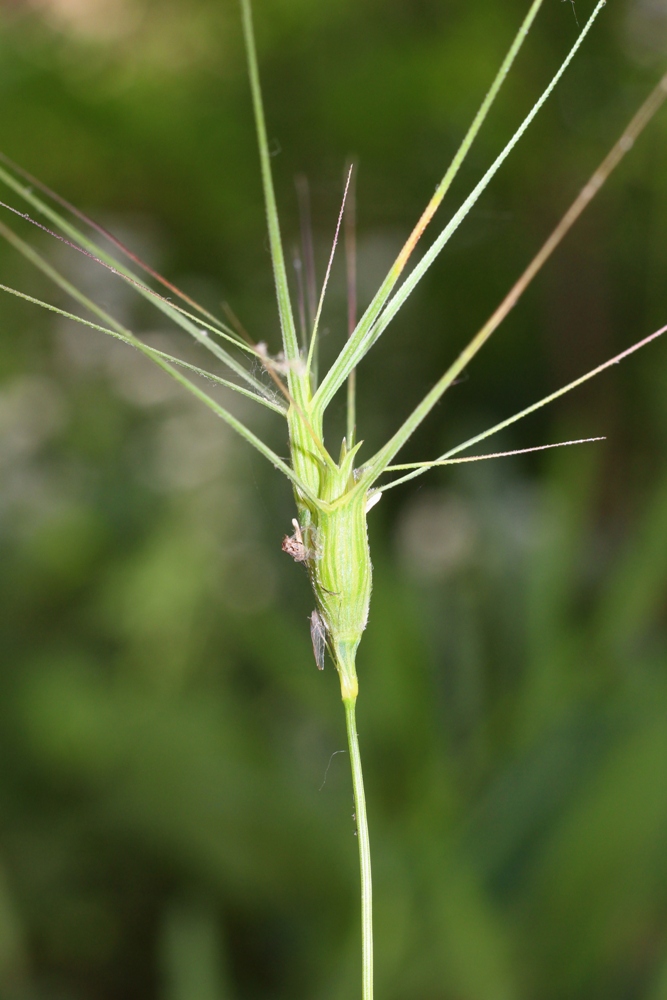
x=166, y=37
x=32, y=410
x=190, y=451
x=97, y=20
x=436, y=534
x=84, y=350
x=135, y=378
x=513, y=517
x=647, y=29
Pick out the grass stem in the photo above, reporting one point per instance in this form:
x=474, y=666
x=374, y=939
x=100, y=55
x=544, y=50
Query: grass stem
x=364, y=851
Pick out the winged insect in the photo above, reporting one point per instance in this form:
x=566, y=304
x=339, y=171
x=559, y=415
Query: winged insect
x=318, y=636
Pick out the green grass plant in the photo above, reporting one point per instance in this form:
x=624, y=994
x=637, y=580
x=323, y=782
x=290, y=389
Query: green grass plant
x=334, y=487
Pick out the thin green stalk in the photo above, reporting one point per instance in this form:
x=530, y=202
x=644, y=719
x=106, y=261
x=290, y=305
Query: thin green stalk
x=622, y=146
x=493, y=454
x=217, y=327
x=118, y=244
x=212, y=404
x=297, y=384
x=210, y=376
x=530, y=409
x=385, y=290
x=175, y=313
x=434, y=250
x=58, y=279
x=364, y=851
x=230, y=420
x=367, y=333
x=463, y=150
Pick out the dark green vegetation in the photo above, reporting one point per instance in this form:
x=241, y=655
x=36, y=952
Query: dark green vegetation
x=164, y=733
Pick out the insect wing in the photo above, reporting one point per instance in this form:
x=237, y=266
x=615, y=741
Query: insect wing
x=318, y=635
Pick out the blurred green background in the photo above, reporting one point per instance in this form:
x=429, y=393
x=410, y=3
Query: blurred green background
x=166, y=832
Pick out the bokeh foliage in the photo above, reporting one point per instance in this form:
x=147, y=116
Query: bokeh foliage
x=165, y=828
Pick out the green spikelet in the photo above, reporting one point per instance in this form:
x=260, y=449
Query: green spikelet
x=334, y=547
x=341, y=568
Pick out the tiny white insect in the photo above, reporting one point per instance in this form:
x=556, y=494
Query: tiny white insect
x=278, y=363
x=318, y=635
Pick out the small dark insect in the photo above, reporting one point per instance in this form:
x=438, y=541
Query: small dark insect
x=294, y=545
x=318, y=635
